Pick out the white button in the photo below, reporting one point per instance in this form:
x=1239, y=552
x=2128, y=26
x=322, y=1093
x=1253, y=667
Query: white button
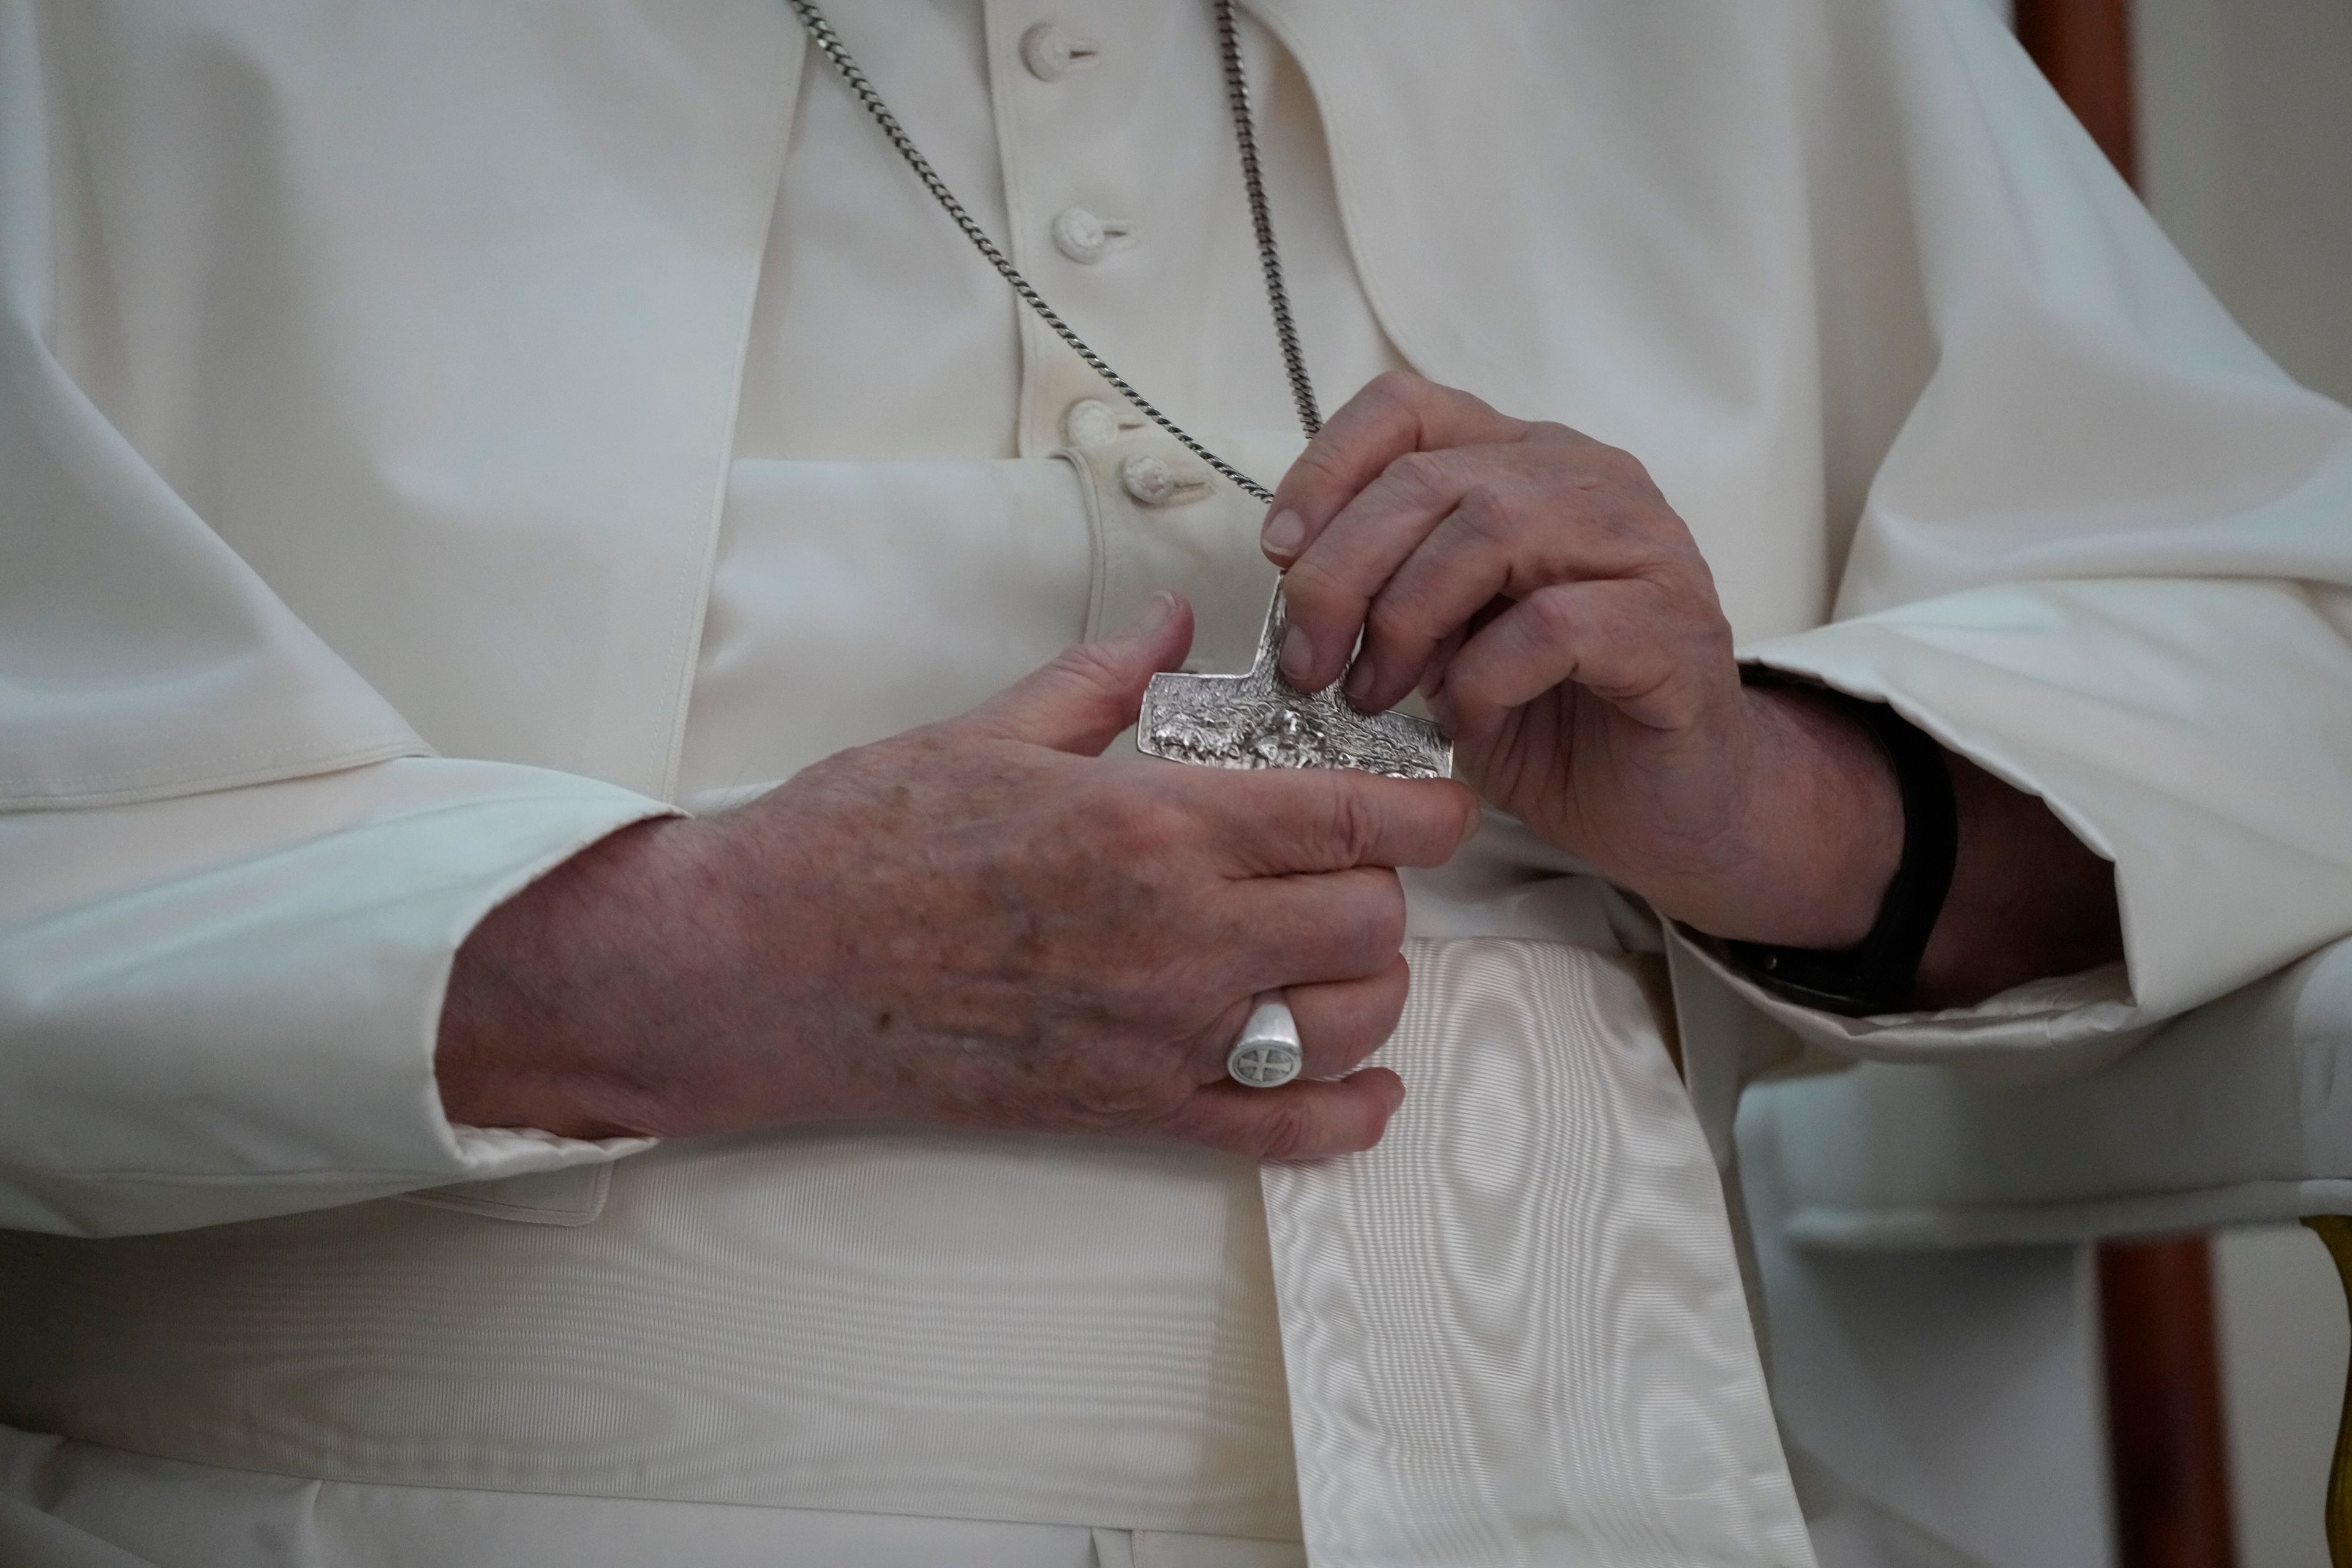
x=1052, y=54
x=1148, y=480
x=1091, y=422
x=1083, y=238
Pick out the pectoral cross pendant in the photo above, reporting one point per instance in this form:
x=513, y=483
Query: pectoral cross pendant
x=1258, y=721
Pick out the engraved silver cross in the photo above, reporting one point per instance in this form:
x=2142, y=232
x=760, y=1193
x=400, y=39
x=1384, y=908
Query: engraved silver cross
x=1258, y=719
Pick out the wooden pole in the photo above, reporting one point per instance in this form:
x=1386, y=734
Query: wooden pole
x=2084, y=46
x=2165, y=1431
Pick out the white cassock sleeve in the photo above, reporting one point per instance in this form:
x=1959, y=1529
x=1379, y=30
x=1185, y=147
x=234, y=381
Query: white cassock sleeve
x=224, y=1006
x=2106, y=554
x=231, y=880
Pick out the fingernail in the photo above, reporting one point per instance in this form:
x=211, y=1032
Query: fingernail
x=1285, y=533
x=1361, y=681
x=1298, y=657
x=1441, y=709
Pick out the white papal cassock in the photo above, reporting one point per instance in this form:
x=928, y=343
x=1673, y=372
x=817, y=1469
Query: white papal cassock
x=435, y=436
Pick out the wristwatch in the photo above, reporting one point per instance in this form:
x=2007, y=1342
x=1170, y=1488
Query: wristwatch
x=1879, y=973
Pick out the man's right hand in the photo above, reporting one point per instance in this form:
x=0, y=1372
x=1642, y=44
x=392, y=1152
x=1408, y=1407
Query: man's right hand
x=982, y=922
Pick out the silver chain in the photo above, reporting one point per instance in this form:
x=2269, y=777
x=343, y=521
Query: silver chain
x=1277, y=294
x=822, y=35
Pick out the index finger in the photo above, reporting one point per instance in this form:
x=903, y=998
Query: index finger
x=1395, y=413
x=1282, y=821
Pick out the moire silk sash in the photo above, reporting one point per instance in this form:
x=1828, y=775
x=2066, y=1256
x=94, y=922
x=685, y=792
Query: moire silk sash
x=1514, y=1332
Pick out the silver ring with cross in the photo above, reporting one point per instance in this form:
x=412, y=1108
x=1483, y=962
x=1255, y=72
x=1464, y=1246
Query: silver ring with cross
x=1268, y=1054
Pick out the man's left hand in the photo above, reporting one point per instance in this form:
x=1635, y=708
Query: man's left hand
x=1567, y=630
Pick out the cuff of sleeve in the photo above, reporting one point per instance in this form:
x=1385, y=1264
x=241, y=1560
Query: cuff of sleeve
x=2201, y=779
x=2047, y=1028
x=255, y=1035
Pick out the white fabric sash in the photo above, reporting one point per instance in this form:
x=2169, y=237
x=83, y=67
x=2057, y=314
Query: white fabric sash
x=1515, y=1330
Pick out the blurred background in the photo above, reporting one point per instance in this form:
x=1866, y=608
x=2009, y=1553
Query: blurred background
x=2245, y=156
x=2235, y=119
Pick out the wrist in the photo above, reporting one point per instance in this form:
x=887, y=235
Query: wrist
x=553, y=1016
x=1819, y=829
x=1881, y=970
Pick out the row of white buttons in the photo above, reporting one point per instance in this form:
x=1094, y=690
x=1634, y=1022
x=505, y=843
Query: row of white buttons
x=1052, y=54
x=1147, y=479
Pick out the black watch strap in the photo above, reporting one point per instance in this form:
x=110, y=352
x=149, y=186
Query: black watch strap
x=1879, y=973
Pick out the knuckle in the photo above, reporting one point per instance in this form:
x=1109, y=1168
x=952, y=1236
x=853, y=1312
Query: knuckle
x=1623, y=469
x=1715, y=644
x=1091, y=672
x=1320, y=464
x=1633, y=616
x=1556, y=613
x=1396, y=386
x=1658, y=601
x=1485, y=518
x=1340, y=1042
x=1420, y=473
x=1376, y=923
x=1688, y=576
x=1282, y=1135
x=1086, y=662
x=1389, y=913
x=1651, y=561
x=1351, y=826
x=1313, y=590
x=1400, y=621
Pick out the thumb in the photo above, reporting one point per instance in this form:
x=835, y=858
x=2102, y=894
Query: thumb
x=1090, y=691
